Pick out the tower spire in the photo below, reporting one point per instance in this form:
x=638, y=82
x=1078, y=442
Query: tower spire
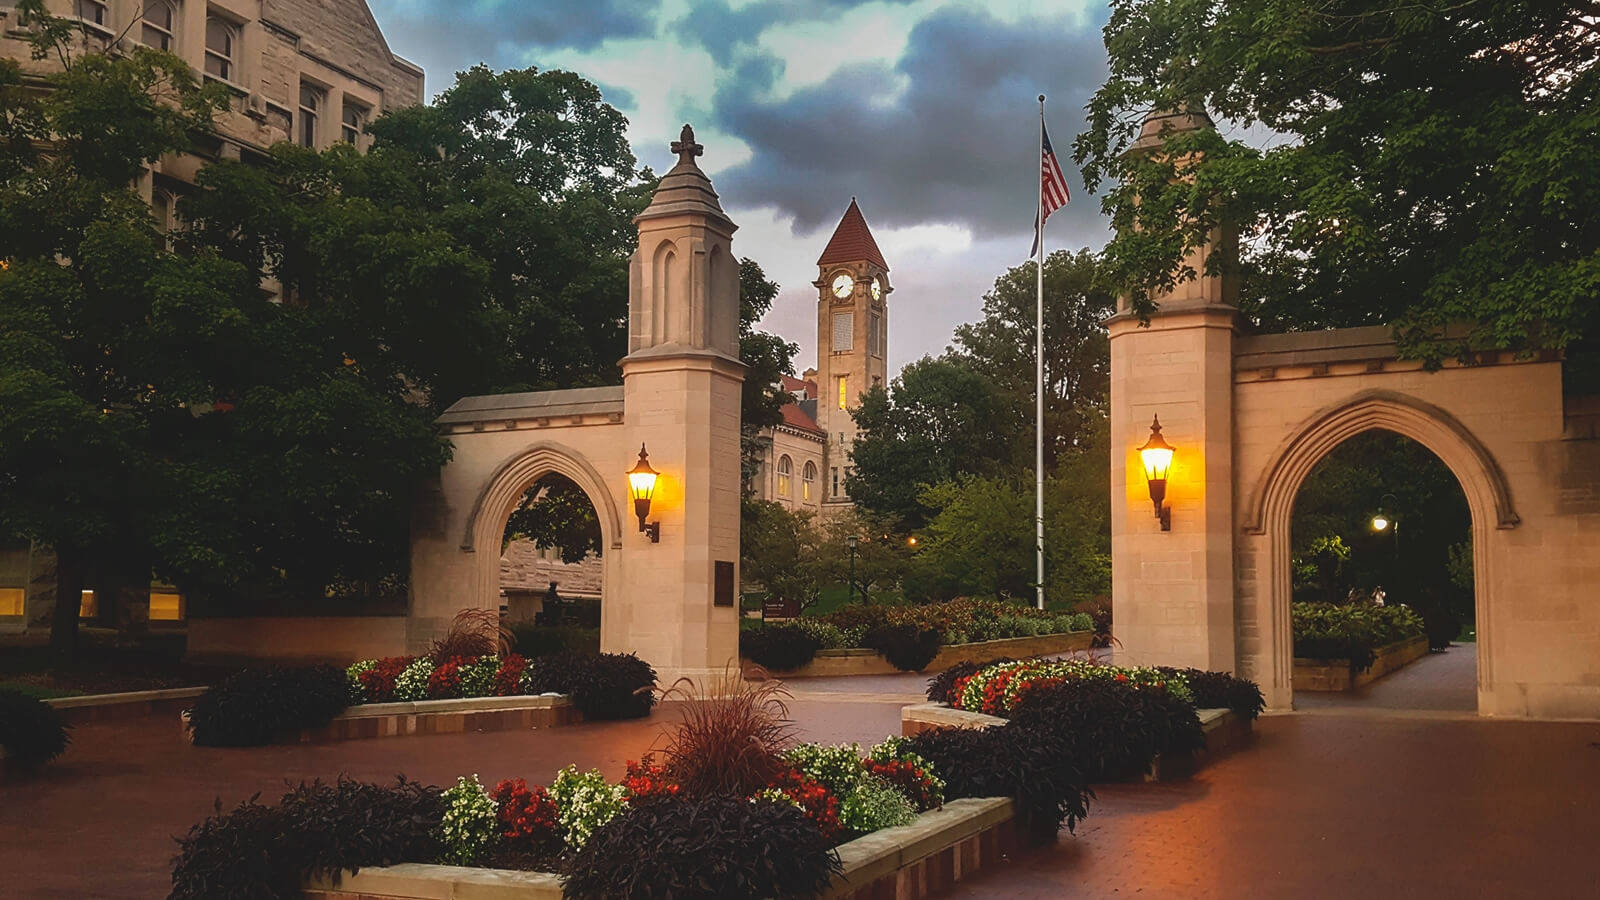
x=852, y=241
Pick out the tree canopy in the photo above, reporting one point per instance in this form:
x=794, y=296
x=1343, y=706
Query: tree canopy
x=1423, y=164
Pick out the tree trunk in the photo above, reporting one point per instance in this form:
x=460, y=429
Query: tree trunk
x=69, y=595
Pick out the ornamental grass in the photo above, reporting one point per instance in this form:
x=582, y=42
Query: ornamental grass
x=731, y=735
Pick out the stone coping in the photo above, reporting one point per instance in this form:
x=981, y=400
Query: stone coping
x=460, y=704
x=123, y=705
x=1337, y=675
x=866, y=661
x=866, y=860
x=1224, y=732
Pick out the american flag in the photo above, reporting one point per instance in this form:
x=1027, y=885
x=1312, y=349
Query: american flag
x=1053, y=193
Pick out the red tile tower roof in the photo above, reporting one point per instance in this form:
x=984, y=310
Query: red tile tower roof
x=852, y=241
x=795, y=417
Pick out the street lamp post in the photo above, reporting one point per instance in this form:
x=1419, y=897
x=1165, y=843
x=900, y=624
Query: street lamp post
x=1386, y=520
x=852, y=541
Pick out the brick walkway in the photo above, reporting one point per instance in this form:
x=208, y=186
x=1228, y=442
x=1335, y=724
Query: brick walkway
x=1321, y=806
x=1438, y=681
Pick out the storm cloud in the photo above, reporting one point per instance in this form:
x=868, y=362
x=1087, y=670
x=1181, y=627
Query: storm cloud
x=947, y=134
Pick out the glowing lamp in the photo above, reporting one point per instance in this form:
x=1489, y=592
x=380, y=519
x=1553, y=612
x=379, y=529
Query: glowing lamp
x=1156, y=455
x=1380, y=522
x=641, y=486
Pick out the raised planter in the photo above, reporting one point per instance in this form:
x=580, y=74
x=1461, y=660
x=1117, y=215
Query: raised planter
x=1336, y=675
x=126, y=705
x=943, y=847
x=863, y=661
x=1224, y=732
x=473, y=714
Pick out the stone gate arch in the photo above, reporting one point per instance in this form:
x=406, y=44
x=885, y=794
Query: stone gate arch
x=503, y=490
x=1268, y=506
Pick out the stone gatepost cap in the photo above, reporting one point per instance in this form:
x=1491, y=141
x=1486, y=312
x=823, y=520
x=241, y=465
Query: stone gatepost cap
x=685, y=189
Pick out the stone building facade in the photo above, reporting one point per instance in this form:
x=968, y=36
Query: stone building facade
x=312, y=71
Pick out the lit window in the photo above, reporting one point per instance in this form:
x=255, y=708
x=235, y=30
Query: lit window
x=222, y=40
x=310, y=105
x=353, y=122
x=808, y=480
x=13, y=601
x=785, y=473
x=88, y=606
x=156, y=29
x=166, y=606
x=844, y=391
x=843, y=331
x=90, y=11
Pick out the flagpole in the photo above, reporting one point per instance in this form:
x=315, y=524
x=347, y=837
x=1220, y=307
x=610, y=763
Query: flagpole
x=1038, y=389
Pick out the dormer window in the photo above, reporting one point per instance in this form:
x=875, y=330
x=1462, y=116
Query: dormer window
x=155, y=30
x=222, y=45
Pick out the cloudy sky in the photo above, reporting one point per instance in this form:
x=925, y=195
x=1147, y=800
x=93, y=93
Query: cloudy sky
x=925, y=110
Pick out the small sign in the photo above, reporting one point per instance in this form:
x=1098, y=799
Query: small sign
x=724, y=584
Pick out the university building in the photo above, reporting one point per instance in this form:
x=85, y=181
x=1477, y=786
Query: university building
x=311, y=71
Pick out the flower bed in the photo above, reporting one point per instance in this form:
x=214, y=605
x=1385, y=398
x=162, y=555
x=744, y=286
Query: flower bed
x=1342, y=675
x=1110, y=722
x=1352, y=633
x=908, y=638
x=835, y=663
x=412, y=695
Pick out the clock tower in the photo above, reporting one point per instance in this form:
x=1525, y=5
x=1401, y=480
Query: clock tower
x=852, y=338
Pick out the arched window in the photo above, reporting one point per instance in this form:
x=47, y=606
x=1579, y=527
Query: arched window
x=310, y=108
x=808, y=481
x=157, y=27
x=222, y=43
x=785, y=473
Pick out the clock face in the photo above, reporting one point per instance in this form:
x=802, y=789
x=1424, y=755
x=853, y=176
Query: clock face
x=843, y=284
x=877, y=288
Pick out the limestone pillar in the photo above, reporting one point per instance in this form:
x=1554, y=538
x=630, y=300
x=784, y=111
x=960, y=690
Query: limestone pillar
x=1172, y=591
x=681, y=401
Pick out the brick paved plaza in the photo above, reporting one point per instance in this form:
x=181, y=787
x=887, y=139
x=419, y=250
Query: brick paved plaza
x=1337, y=804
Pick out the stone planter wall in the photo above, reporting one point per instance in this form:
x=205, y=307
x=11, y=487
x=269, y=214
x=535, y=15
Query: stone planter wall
x=381, y=720
x=127, y=705
x=943, y=847
x=1224, y=732
x=1335, y=675
x=862, y=661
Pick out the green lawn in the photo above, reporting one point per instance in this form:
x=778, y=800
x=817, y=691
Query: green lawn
x=35, y=690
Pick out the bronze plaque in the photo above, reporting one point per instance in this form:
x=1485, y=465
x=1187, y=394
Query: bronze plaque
x=724, y=584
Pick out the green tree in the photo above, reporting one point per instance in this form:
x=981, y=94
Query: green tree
x=780, y=552
x=1429, y=163
x=939, y=419
x=1077, y=357
x=882, y=556
x=556, y=513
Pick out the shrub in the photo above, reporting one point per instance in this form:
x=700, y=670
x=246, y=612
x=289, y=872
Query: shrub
x=995, y=688
x=874, y=804
x=258, y=851
x=1007, y=761
x=470, y=826
x=704, y=847
x=1099, y=612
x=828, y=635
x=256, y=706
x=908, y=648
x=584, y=802
x=1219, y=690
x=550, y=640
x=893, y=761
x=613, y=686
x=1109, y=730
x=30, y=729
x=779, y=648
x=730, y=735
x=473, y=633
x=602, y=685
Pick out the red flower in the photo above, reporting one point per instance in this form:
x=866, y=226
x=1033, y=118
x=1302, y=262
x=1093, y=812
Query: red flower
x=445, y=682
x=508, y=678
x=527, y=815
x=818, y=803
x=646, y=779
x=377, y=683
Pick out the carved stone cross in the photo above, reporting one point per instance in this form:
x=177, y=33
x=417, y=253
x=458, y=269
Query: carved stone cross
x=685, y=146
